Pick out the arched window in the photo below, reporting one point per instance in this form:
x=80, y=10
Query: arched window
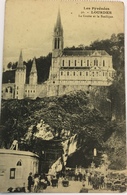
x=19, y=163
x=103, y=62
x=19, y=169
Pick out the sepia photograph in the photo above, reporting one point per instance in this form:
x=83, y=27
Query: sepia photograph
x=63, y=109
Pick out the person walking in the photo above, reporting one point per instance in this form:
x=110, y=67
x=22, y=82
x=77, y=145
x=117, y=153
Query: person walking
x=105, y=182
x=30, y=181
x=36, y=183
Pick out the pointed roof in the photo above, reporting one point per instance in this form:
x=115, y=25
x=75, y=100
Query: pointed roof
x=20, y=62
x=58, y=21
x=33, y=69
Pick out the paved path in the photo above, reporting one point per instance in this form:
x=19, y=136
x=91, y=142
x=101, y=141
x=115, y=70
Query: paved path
x=74, y=187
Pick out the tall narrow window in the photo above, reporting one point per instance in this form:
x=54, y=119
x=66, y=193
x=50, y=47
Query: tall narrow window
x=87, y=62
x=74, y=73
x=61, y=73
x=10, y=89
x=103, y=62
x=75, y=62
x=95, y=62
x=55, y=43
x=69, y=62
x=12, y=173
x=81, y=62
x=58, y=43
x=67, y=73
x=86, y=73
x=80, y=73
x=63, y=62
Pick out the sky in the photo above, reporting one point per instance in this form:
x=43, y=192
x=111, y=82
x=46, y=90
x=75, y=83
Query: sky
x=29, y=25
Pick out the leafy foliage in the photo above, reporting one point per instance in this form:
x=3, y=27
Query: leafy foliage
x=70, y=112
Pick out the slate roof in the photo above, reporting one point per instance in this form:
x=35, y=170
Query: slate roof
x=78, y=52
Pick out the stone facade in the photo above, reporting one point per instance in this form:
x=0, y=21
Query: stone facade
x=70, y=70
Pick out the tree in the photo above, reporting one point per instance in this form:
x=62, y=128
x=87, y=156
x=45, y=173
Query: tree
x=9, y=65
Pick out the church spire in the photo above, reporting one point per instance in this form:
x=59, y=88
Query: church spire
x=58, y=22
x=20, y=62
x=33, y=69
x=33, y=73
x=58, y=37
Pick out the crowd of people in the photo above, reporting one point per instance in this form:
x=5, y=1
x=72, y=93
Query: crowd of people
x=90, y=180
x=93, y=180
x=38, y=182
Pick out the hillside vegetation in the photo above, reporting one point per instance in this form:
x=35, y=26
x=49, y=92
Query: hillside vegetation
x=72, y=113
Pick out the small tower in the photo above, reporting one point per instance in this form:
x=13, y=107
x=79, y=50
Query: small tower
x=20, y=78
x=58, y=37
x=33, y=73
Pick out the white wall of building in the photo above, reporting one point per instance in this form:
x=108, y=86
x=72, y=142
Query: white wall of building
x=15, y=167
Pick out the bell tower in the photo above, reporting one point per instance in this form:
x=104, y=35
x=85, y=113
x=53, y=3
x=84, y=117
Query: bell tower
x=20, y=78
x=57, y=49
x=58, y=37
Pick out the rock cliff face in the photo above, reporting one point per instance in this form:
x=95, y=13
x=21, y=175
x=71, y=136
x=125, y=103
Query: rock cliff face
x=109, y=100
x=42, y=125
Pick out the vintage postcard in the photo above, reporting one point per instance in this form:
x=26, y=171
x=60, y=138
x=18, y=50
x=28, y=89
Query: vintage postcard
x=62, y=125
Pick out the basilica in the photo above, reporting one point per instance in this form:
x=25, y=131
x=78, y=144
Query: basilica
x=70, y=70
